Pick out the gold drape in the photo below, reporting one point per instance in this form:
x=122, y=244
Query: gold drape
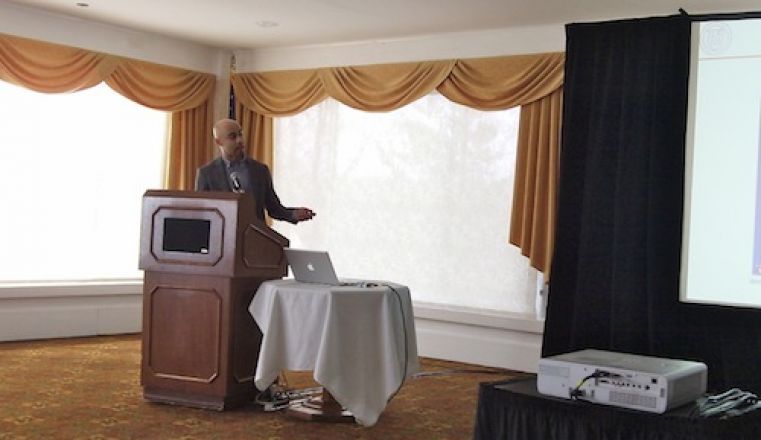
x=531, y=81
x=52, y=68
x=536, y=171
x=189, y=148
x=259, y=131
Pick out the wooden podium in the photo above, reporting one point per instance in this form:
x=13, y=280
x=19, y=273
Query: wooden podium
x=204, y=256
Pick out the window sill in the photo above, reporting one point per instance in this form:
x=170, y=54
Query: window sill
x=526, y=323
x=55, y=289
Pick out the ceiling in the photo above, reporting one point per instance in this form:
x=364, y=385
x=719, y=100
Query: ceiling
x=242, y=24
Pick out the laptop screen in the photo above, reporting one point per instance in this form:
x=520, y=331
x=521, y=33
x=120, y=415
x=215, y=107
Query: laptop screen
x=311, y=266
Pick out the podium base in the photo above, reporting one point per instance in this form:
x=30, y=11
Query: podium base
x=212, y=402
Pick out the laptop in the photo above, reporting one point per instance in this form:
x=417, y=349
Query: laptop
x=313, y=267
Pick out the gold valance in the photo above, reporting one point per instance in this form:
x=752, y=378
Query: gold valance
x=504, y=82
x=161, y=87
x=483, y=83
x=49, y=68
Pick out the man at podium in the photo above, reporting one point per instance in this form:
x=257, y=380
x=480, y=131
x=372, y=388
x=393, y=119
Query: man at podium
x=236, y=172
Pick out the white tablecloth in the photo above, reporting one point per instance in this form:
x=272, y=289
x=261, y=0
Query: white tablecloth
x=360, y=342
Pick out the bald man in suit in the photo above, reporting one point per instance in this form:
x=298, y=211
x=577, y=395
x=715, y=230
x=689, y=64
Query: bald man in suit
x=233, y=171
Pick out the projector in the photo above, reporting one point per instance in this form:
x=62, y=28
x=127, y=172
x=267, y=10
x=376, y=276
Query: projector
x=626, y=380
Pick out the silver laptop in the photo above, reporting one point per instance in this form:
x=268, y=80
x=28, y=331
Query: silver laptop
x=312, y=267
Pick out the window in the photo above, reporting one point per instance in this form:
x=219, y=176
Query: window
x=420, y=196
x=74, y=169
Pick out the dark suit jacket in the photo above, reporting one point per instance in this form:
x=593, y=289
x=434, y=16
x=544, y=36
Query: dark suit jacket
x=213, y=177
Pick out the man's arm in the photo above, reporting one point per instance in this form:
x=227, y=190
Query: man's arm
x=276, y=210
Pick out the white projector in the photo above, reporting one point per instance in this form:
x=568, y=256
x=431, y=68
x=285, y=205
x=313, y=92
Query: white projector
x=626, y=380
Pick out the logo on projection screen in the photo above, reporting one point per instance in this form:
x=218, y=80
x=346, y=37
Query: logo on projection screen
x=715, y=38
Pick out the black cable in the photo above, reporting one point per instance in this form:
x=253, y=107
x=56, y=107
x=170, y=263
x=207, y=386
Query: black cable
x=576, y=393
x=731, y=403
x=462, y=371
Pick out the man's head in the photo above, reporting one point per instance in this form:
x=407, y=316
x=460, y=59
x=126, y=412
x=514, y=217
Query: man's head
x=229, y=138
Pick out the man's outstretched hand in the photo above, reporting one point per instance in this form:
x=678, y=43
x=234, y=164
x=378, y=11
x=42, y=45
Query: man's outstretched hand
x=303, y=214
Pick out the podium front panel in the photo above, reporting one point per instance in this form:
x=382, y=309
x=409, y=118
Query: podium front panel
x=185, y=325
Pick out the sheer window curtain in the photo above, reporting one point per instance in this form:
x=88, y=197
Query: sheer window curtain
x=418, y=196
x=71, y=197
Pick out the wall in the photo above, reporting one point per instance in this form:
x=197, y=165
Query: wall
x=65, y=310
x=497, y=42
x=34, y=312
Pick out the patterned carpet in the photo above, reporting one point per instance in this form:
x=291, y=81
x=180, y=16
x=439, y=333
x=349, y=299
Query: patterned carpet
x=89, y=388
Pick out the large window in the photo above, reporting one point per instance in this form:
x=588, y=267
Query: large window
x=74, y=169
x=420, y=196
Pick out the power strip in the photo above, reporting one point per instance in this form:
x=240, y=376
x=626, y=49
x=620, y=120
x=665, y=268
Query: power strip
x=282, y=399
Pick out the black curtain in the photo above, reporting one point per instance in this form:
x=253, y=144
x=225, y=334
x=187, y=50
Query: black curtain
x=615, y=272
